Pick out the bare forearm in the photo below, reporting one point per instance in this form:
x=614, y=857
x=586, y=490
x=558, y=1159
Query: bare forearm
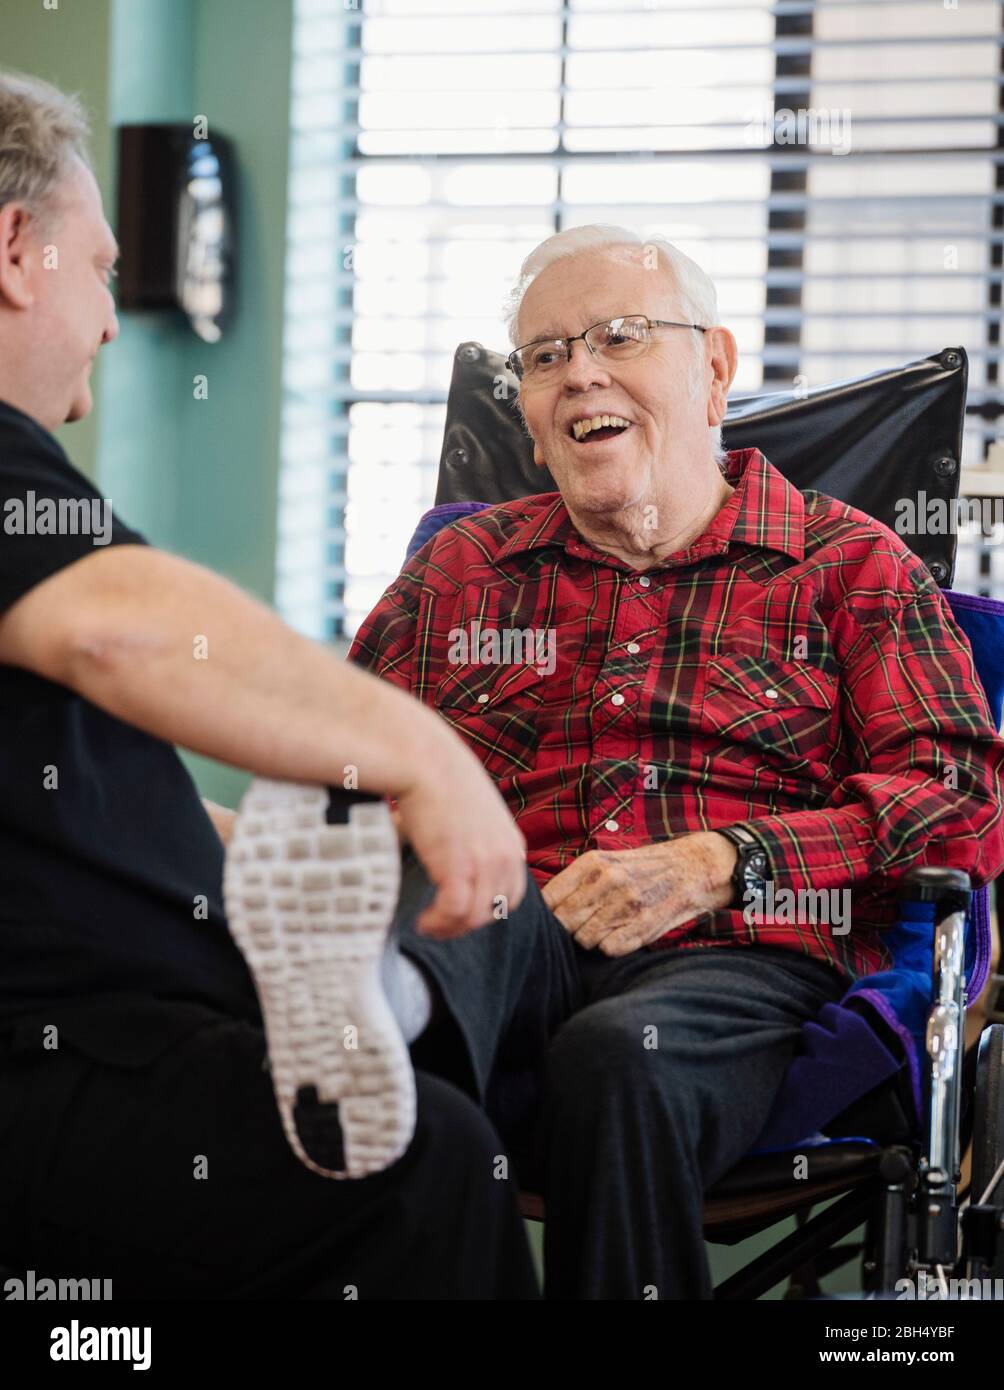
x=176, y=651
x=190, y=658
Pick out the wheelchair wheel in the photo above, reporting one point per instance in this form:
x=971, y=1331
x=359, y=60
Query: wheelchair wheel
x=988, y=1117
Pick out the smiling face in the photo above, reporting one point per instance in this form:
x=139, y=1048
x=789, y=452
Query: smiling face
x=671, y=394
x=55, y=274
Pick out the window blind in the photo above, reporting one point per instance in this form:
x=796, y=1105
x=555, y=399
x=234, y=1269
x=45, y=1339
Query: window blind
x=435, y=142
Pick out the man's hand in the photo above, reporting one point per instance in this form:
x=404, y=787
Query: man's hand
x=620, y=900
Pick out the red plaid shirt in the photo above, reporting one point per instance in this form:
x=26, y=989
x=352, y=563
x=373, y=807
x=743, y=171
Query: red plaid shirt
x=796, y=671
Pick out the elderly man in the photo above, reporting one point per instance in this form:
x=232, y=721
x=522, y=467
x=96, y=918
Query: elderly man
x=752, y=689
x=139, y=1140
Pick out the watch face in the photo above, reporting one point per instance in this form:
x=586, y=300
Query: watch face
x=754, y=868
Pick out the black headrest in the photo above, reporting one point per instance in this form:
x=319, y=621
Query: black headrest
x=871, y=442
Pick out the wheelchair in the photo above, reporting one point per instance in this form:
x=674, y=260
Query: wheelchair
x=882, y=1099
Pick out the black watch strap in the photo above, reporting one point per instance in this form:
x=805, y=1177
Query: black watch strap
x=750, y=872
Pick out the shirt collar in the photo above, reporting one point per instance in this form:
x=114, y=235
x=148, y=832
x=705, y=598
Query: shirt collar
x=764, y=511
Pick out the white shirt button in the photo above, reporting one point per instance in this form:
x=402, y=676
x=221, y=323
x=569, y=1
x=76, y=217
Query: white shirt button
x=617, y=699
x=610, y=825
x=633, y=648
x=482, y=699
x=644, y=581
x=771, y=694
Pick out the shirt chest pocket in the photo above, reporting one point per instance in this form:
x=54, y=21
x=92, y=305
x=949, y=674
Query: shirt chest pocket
x=497, y=710
x=787, y=710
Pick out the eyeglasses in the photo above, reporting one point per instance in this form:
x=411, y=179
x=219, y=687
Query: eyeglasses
x=614, y=340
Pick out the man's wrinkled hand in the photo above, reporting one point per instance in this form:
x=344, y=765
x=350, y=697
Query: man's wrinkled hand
x=621, y=900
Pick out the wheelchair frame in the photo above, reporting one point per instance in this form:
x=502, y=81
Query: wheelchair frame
x=909, y=1198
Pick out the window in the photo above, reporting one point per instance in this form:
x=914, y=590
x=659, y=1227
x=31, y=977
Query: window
x=435, y=142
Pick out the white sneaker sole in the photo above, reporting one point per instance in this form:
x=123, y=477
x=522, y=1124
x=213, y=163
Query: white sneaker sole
x=309, y=905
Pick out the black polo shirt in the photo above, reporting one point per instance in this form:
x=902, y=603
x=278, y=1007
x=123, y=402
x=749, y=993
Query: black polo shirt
x=111, y=912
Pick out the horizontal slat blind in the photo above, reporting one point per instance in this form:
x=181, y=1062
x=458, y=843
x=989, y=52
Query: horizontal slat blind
x=435, y=142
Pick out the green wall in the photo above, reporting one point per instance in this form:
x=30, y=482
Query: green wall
x=229, y=461
x=140, y=441
x=70, y=47
x=198, y=477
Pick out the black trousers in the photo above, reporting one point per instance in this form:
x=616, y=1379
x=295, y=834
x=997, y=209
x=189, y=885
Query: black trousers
x=623, y=1087
x=174, y=1180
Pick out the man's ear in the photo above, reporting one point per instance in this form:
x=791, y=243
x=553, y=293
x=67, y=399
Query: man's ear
x=17, y=254
x=724, y=359
x=538, y=457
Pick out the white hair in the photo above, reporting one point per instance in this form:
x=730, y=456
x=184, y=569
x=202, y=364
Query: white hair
x=694, y=288
x=41, y=131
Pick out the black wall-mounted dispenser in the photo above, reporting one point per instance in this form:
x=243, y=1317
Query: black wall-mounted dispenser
x=177, y=226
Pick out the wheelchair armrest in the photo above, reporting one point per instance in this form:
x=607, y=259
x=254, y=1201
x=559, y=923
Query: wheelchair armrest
x=949, y=889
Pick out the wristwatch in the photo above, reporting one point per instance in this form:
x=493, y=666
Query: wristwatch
x=750, y=873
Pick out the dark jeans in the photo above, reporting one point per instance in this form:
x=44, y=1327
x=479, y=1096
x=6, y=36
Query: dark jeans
x=174, y=1180
x=624, y=1087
